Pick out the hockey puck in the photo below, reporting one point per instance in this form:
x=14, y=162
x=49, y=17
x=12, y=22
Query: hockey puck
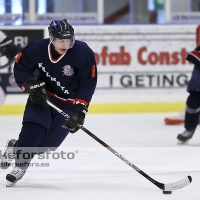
x=167, y=192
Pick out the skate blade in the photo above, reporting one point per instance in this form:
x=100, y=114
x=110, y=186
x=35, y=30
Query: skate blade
x=182, y=143
x=10, y=184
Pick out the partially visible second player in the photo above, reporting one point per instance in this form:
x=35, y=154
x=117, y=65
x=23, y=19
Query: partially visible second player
x=9, y=50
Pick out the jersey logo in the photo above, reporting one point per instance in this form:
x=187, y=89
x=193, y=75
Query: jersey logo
x=67, y=70
x=53, y=79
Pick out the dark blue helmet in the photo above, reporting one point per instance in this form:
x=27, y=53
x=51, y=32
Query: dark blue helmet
x=61, y=29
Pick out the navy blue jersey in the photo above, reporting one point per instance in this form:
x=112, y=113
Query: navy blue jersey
x=73, y=75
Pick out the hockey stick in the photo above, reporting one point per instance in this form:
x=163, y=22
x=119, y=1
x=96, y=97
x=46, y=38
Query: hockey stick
x=165, y=187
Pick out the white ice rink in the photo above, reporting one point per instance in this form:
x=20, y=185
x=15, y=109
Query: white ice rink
x=96, y=174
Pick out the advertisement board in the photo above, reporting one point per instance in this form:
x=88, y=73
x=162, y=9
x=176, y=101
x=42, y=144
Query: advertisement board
x=128, y=57
x=141, y=68
x=141, y=57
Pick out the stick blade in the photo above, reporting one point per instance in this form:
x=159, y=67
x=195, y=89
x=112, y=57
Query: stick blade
x=178, y=185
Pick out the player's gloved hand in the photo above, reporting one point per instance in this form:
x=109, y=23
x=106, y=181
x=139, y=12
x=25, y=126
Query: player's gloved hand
x=38, y=91
x=77, y=117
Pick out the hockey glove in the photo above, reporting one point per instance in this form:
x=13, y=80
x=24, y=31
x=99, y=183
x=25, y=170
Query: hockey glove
x=38, y=91
x=77, y=117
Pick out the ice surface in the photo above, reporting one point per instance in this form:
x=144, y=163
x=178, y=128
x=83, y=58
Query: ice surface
x=96, y=174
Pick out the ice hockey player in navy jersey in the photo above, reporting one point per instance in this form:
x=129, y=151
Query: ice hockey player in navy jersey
x=8, y=50
x=192, y=110
x=67, y=76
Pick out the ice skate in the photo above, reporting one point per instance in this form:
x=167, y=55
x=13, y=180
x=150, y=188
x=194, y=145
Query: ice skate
x=185, y=136
x=8, y=155
x=15, y=175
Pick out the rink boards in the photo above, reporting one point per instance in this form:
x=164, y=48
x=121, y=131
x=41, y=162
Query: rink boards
x=141, y=68
x=18, y=109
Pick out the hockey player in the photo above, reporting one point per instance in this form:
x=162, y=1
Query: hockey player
x=9, y=50
x=192, y=110
x=67, y=77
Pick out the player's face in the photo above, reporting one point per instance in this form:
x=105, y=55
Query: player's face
x=61, y=45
